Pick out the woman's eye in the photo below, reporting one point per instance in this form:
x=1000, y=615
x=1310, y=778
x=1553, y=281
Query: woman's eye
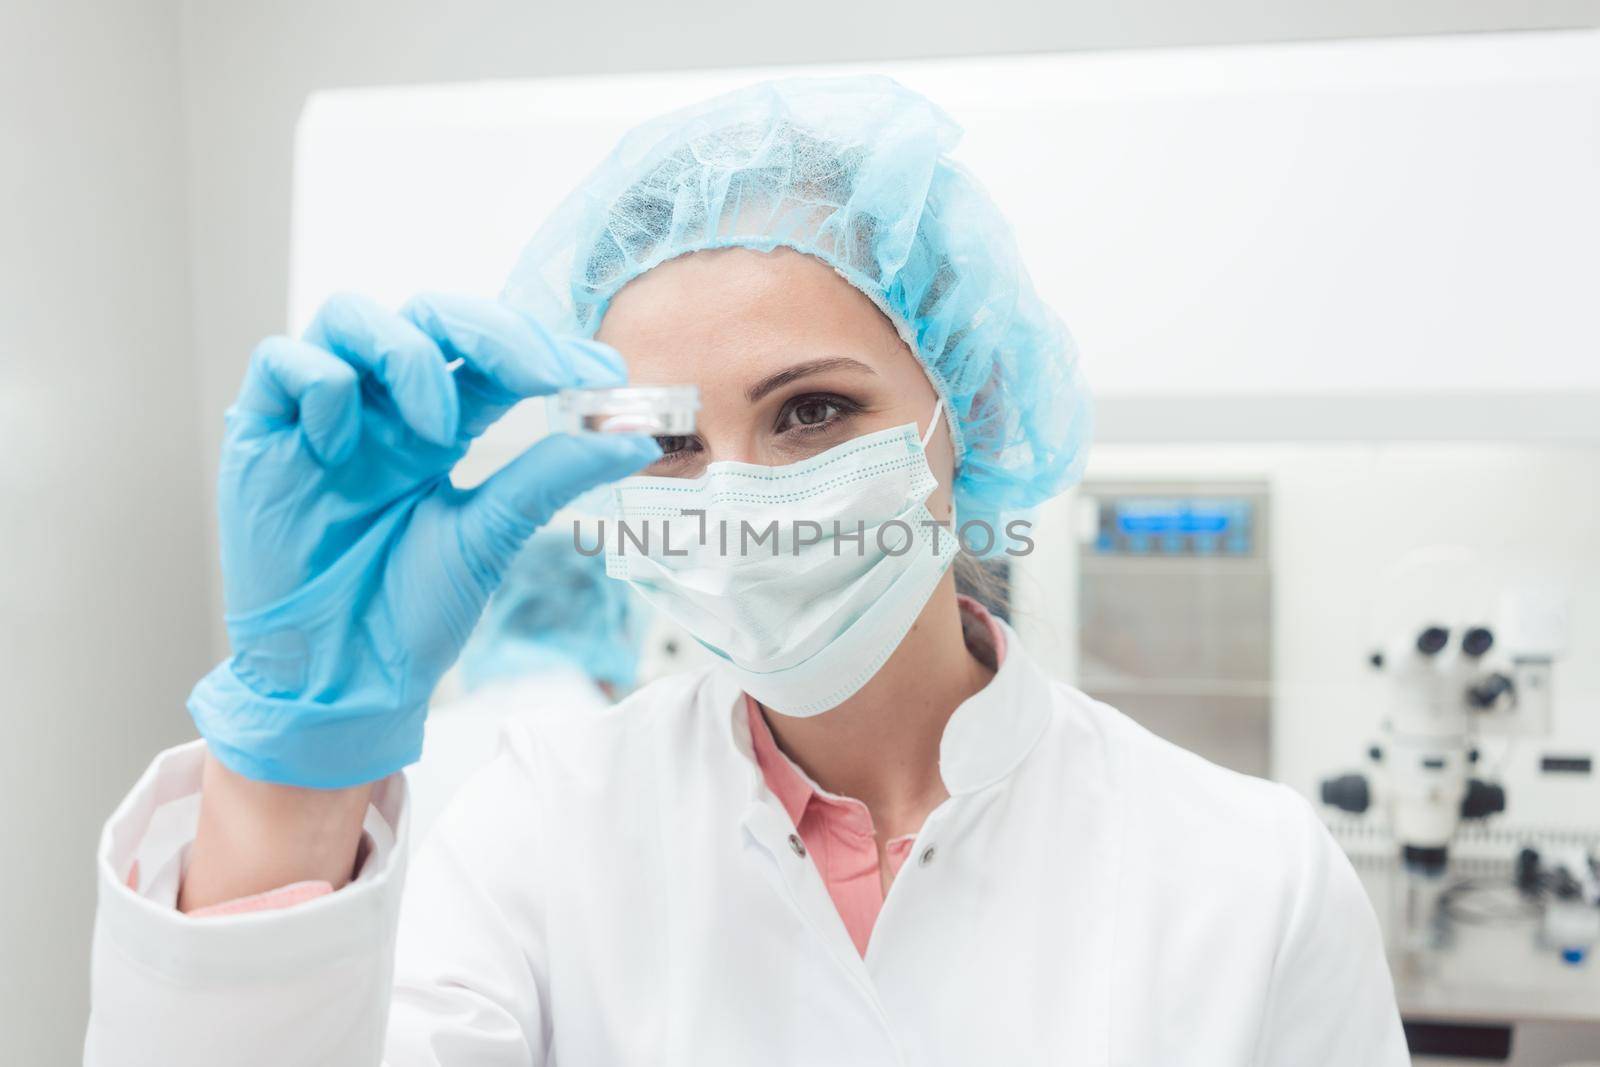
x=812, y=412
x=674, y=444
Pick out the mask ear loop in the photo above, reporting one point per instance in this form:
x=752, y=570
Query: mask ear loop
x=933, y=423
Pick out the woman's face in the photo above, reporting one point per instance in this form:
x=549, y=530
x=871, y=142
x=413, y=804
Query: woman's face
x=790, y=359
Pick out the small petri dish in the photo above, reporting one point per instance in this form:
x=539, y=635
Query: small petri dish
x=659, y=410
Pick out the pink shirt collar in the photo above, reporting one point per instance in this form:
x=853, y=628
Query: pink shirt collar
x=791, y=785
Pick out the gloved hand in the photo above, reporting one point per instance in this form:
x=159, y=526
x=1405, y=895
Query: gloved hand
x=353, y=569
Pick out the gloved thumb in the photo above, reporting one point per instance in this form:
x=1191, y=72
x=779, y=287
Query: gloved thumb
x=523, y=495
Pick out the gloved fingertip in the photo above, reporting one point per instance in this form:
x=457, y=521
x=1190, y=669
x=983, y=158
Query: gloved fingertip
x=429, y=403
x=323, y=443
x=626, y=452
x=647, y=448
x=330, y=415
x=449, y=424
x=345, y=433
x=561, y=467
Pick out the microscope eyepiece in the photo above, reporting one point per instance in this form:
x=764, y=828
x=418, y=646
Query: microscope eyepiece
x=1431, y=641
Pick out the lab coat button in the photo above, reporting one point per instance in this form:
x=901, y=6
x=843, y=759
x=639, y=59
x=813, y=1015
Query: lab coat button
x=798, y=845
x=927, y=856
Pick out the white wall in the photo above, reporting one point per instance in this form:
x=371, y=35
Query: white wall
x=1334, y=219
x=104, y=607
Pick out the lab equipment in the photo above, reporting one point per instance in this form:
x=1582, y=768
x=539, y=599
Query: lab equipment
x=1448, y=682
x=661, y=411
x=1571, y=924
x=1535, y=621
x=1175, y=614
x=353, y=570
x=1449, y=675
x=803, y=578
x=855, y=171
x=1440, y=680
x=1339, y=516
x=556, y=608
x=1565, y=882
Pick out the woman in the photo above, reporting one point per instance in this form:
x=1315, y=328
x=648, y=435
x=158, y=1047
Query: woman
x=876, y=832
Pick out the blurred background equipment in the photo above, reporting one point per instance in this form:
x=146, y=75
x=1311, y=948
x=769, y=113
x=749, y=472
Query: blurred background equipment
x=1411, y=620
x=1452, y=680
x=1455, y=683
x=1175, y=613
x=1430, y=749
x=1567, y=884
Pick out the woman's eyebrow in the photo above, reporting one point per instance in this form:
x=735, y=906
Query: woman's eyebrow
x=803, y=370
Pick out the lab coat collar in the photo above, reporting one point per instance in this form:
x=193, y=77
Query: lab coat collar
x=992, y=731
x=987, y=737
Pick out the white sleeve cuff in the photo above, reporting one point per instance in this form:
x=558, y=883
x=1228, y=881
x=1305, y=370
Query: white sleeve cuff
x=307, y=984
x=154, y=827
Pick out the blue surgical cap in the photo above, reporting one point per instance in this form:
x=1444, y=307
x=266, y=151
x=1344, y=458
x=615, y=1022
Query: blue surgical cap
x=556, y=609
x=856, y=172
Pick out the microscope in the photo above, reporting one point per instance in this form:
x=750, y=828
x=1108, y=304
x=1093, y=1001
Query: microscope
x=1446, y=686
x=1441, y=682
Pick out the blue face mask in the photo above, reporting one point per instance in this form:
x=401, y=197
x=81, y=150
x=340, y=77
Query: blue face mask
x=802, y=578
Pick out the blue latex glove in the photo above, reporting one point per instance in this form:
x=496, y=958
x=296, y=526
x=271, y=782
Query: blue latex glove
x=353, y=569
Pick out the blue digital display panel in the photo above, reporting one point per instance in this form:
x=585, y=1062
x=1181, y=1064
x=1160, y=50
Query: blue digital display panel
x=1176, y=526
x=1163, y=517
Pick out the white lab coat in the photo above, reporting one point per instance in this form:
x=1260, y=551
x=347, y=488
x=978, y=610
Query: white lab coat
x=621, y=888
x=463, y=735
